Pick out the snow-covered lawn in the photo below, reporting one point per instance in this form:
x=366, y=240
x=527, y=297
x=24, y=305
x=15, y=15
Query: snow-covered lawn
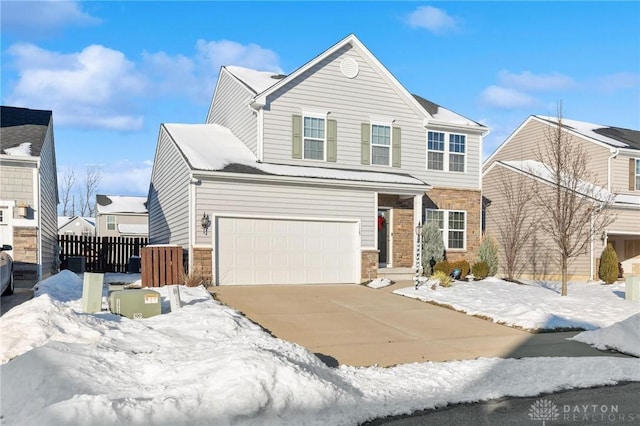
x=535, y=305
x=207, y=364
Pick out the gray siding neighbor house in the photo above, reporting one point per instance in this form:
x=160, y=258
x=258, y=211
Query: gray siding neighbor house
x=29, y=191
x=614, y=159
x=319, y=176
x=121, y=216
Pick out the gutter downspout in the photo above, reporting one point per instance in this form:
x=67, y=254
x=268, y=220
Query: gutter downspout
x=614, y=153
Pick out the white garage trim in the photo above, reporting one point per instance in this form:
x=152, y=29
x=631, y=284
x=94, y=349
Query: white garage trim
x=285, y=250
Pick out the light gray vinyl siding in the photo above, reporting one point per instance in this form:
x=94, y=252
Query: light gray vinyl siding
x=351, y=102
x=48, y=204
x=230, y=108
x=16, y=182
x=120, y=219
x=268, y=200
x=620, y=174
x=168, y=198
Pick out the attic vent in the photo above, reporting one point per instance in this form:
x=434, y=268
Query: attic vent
x=349, y=67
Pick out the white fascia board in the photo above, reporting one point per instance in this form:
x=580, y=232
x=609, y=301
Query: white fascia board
x=454, y=126
x=506, y=141
x=583, y=136
x=399, y=188
x=19, y=160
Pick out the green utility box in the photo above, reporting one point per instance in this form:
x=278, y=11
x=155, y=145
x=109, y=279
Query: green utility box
x=135, y=303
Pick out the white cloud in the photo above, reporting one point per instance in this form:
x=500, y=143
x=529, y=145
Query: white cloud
x=507, y=98
x=42, y=18
x=90, y=88
x=433, y=19
x=126, y=178
x=196, y=76
x=527, y=80
x=618, y=81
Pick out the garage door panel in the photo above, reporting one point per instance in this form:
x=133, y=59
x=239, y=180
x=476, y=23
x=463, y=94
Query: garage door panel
x=272, y=251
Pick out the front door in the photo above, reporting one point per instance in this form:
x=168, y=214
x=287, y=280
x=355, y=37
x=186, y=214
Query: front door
x=384, y=224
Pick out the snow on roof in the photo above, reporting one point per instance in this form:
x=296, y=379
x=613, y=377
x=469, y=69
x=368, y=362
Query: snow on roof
x=63, y=220
x=588, y=130
x=22, y=150
x=133, y=229
x=120, y=204
x=585, y=188
x=258, y=81
x=213, y=147
x=444, y=114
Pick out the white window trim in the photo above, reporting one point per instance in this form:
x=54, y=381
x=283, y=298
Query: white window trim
x=447, y=152
x=324, y=141
x=445, y=230
x=371, y=144
x=115, y=223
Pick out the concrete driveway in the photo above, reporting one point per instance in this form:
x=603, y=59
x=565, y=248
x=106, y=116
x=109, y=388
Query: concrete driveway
x=357, y=325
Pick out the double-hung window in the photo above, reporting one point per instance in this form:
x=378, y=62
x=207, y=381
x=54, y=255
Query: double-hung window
x=448, y=156
x=380, y=145
x=111, y=223
x=637, y=174
x=452, y=225
x=314, y=139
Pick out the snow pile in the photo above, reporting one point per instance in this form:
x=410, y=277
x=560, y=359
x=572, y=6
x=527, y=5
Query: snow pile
x=622, y=336
x=534, y=306
x=22, y=150
x=379, y=283
x=207, y=364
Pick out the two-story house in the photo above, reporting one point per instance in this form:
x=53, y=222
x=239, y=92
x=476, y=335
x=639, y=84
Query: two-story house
x=76, y=225
x=121, y=216
x=29, y=191
x=614, y=161
x=318, y=176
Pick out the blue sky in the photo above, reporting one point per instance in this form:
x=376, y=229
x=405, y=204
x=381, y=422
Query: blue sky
x=113, y=71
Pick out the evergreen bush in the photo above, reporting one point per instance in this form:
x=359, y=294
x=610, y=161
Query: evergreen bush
x=488, y=252
x=480, y=270
x=608, y=271
x=432, y=247
x=443, y=266
x=463, y=266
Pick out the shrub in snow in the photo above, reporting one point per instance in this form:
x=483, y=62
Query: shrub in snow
x=608, y=271
x=444, y=279
x=432, y=247
x=443, y=266
x=462, y=266
x=488, y=252
x=480, y=270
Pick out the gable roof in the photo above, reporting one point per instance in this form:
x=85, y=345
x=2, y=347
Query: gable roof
x=120, y=204
x=23, y=130
x=211, y=147
x=65, y=220
x=615, y=137
x=264, y=83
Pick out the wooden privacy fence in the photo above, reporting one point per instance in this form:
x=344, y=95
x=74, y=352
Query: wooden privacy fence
x=100, y=254
x=162, y=265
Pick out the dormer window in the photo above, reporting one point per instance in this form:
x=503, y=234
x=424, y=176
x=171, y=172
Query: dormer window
x=314, y=138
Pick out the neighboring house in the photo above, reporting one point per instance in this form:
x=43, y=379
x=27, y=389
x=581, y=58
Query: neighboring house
x=614, y=159
x=319, y=176
x=121, y=216
x=76, y=225
x=28, y=191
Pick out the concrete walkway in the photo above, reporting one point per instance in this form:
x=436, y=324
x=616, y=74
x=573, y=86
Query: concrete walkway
x=357, y=325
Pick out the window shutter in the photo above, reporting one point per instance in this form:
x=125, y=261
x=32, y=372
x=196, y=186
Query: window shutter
x=632, y=174
x=296, y=147
x=366, y=143
x=332, y=140
x=396, y=147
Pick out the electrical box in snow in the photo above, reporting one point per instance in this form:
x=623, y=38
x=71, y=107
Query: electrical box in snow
x=135, y=303
x=174, y=297
x=92, y=292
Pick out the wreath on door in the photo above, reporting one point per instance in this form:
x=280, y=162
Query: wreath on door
x=381, y=222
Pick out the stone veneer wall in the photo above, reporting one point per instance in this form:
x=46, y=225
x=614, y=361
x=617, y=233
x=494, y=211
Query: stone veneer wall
x=25, y=253
x=369, y=270
x=403, y=232
x=202, y=263
x=458, y=199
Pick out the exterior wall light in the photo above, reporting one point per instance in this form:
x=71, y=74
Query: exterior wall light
x=205, y=222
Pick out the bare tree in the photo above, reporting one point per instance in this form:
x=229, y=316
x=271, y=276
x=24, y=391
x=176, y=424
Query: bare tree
x=87, y=192
x=572, y=203
x=514, y=219
x=67, y=184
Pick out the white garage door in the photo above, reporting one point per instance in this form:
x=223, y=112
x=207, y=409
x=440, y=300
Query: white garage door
x=273, y=251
